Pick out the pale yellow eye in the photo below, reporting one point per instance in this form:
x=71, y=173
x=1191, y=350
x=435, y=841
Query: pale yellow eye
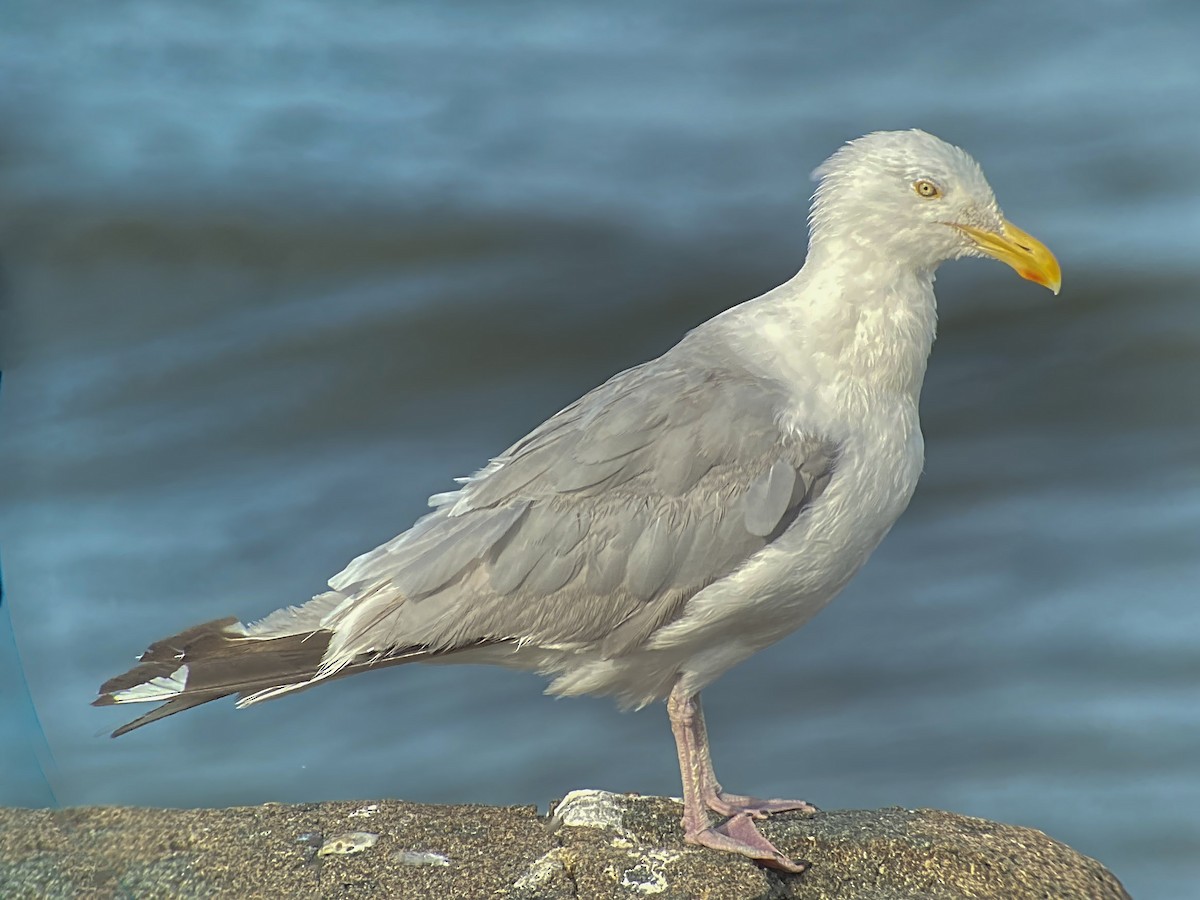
x=926, y=189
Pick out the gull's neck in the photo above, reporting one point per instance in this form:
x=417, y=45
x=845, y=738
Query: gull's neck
x=855, y=320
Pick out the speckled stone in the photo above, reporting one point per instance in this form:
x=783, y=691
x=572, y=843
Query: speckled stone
x=632, y=849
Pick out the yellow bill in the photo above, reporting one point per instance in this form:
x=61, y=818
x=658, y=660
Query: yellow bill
x=1030, y=257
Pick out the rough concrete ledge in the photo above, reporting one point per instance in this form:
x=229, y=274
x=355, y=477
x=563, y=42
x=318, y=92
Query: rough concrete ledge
x=596, y=845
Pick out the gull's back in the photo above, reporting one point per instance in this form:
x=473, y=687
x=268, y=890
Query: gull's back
x=571, y=550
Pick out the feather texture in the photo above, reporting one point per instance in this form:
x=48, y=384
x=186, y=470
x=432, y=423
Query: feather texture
x=582, y=525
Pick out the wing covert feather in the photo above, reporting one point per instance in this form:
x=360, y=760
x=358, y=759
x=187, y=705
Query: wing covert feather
x=768, y=498
x=595, y=528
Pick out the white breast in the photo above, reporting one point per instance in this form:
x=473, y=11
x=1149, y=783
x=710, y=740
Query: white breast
x=788, y=582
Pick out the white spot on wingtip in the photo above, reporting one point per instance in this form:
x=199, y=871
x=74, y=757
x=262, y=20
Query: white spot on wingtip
x=164, y=687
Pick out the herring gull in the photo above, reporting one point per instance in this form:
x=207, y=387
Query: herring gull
x=683, y=515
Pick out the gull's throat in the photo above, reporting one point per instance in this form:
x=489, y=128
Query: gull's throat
x=871, y=316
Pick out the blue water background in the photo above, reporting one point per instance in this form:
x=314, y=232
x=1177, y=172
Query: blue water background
x=273, y=273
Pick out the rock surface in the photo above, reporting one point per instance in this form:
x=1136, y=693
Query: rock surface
x=596, y=845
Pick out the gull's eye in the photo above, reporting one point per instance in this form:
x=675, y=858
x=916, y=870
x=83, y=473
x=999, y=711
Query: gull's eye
x=926, y=188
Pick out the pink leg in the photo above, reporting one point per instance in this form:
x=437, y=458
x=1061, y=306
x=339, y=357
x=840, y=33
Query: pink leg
x=728, y=804
x=700, y=790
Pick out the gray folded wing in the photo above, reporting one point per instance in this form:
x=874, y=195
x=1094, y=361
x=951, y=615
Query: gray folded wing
x=595, y=529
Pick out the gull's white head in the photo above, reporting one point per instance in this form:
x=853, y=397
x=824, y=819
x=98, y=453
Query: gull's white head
x=922, y=201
